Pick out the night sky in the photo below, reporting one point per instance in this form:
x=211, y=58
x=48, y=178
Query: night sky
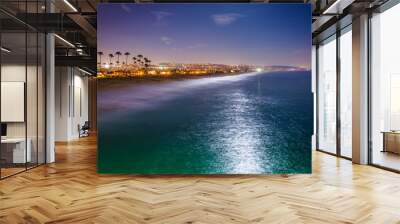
x=253, y=34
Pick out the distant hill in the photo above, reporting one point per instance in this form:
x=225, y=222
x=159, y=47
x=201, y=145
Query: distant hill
x=276, y=68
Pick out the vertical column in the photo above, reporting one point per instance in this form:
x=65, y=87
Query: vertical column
x=50, y=98
x=360, y=89
x=50, y=92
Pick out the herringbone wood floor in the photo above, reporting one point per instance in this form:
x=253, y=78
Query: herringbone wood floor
x=70, y=191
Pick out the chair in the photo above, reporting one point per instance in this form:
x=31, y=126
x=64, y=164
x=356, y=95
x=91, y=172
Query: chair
x=84, y=130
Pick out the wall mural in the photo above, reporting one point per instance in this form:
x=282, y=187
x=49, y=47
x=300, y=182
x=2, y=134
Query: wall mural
x=204, y=88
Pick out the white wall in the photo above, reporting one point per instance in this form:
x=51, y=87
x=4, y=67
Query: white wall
x=62, y=82
x=16, y=73
x=71, y=102
x=80, y=111
x=13, y=101
x=33, y=126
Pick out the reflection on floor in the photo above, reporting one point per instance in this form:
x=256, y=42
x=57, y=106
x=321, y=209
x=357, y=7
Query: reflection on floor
x=11, y=169
x=70, y=191
x=387, y=159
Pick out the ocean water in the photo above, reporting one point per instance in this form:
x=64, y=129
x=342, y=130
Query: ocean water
x=255, y=123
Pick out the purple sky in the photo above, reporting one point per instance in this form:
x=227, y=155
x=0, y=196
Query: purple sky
x=255, y=34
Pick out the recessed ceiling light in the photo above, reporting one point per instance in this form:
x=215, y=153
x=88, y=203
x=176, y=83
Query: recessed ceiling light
x=86, y=72
x=64, y=40
x=70, y=5
x=337, y=7
x=5, y=50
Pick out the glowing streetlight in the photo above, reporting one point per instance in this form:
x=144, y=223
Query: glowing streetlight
x=259, y=69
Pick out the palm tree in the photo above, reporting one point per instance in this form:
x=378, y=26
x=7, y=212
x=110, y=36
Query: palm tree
x=118, y=54
x=110, y=56
x=146, y=62
x=140, y=57
x=134, y=60
x=100, y=53
x=127, y=55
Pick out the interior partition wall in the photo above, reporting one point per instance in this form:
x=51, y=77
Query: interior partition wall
x=334, y=94
x=22, y=77
x=385, y=89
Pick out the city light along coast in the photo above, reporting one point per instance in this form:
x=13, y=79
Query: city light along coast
x=121, y=65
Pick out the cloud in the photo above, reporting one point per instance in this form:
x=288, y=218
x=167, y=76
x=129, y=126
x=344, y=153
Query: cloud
x=226, y=18
x=160, y=15
x=125, y=8
x=166, y=40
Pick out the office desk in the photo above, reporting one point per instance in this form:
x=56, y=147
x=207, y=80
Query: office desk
x=16, y=147
x=391, y=141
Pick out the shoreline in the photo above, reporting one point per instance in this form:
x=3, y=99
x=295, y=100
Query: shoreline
x=187, y=77
x=172, y=77
x=109, y=83
x=106, y=83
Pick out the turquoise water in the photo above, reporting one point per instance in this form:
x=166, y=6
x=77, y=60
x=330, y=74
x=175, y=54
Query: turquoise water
x=245, y=124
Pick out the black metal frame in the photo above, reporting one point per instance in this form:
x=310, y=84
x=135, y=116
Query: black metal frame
x=338, y=97
x=338, y=152
x=44, y=70
x=379, y=9
x=369, y=114
x=387, y=5
x=317, y=97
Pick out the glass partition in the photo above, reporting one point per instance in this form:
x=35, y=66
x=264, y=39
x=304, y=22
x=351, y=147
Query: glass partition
x=41, y=97
x=327, y=95
x=385, y=89
x=346, y=92
x=31, y=99
x=22, y=77
x=14, y=153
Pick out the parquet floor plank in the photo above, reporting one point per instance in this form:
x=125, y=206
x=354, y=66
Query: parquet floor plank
x=70, y=191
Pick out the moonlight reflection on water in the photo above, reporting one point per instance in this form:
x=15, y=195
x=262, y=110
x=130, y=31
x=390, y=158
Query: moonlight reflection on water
x=251, y=123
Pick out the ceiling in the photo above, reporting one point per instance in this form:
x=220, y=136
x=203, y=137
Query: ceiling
x=75, y=21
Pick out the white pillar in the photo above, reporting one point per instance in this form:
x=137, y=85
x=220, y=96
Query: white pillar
x=360, y=90
x=50, y=98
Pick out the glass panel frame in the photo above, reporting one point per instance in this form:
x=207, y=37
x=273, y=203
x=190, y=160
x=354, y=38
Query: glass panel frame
x=345, y=97
x=327, y=96
x=14, y=145
x=335, y=139
x=26, y=57
x=384, y=133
